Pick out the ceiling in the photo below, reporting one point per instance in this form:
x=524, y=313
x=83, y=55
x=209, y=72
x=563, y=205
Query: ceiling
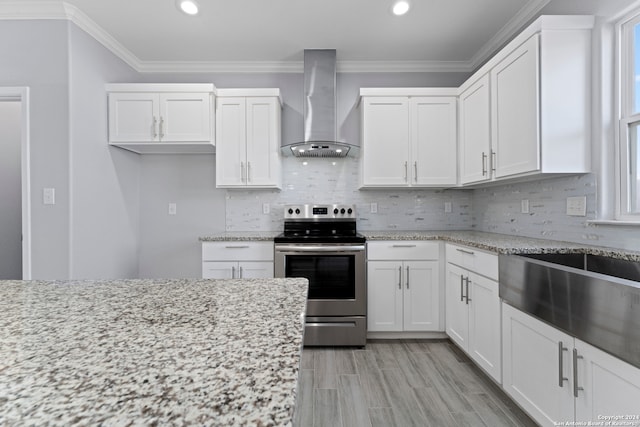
x=270, y=35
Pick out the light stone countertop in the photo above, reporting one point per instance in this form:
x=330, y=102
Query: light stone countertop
x=150, y=352
x=500, y=243
x=239, y=236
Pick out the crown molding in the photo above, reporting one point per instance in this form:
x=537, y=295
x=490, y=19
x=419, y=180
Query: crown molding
x=522, y=18
x=38, y=9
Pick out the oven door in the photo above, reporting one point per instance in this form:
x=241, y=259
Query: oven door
x=336, y=274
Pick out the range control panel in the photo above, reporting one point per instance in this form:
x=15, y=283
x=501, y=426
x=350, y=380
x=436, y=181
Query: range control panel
x=321, y=212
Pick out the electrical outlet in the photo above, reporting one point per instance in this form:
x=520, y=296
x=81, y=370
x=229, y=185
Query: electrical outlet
x=447, y=207
x=374, y=208
x=524, y=206
x=266, y=208
x=577, y=206
x=173, y=209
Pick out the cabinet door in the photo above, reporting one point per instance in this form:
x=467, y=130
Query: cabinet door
x=433, y=141
x=475, y=132
x=484, y=325
x=255, y=270
x=231, y=154
x=457, y=310
x=133, y=117
x=220, y=270
x=421, y=296
x=515, y=111
x=263, y=142
x=609, y=386
x=384, y=296
x=385, y=142
x=185, y=117
x=533, y=366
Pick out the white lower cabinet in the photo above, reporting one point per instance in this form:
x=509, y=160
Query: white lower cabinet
x=473, y=306
x=237, y=260
x=403, y=286
x=560, y=379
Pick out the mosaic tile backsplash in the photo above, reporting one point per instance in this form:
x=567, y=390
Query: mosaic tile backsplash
x=493, y=209
x=336, y=181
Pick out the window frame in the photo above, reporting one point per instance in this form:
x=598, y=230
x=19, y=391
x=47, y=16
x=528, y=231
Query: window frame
x=625, y=114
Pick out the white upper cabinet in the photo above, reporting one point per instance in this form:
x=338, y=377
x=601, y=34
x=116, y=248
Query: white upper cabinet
x=248, y=138
x=409, y=138
x=475, y=132
x=526, y=112
x=515, y=124
x=159, y=118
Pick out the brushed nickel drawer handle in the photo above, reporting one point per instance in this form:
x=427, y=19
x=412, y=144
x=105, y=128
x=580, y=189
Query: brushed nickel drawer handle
x=237, y=247
x=465, y=252
x=403, y=246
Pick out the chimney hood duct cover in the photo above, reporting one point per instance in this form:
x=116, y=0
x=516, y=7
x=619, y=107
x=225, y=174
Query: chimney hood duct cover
x=319, y=109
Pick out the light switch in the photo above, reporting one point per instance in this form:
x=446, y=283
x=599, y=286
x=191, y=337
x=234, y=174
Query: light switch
x=49, y=196
x=266, y=208
x=374, y=208
x=447, y=207
x=173, y=209
x=524, y=206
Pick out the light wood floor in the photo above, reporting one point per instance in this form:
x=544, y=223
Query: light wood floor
x=397, y=384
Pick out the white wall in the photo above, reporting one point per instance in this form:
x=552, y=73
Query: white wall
x=169, y=243
x=104, y=181
x=35, y=54
x=10, y=190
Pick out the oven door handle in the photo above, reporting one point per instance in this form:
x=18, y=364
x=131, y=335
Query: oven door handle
x=308, y=249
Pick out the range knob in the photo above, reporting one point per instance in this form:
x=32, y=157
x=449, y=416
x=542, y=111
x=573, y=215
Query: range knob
x=290, y=211
x=350, y=211
x=297, y=211
x=335, y=211
x=342, y=211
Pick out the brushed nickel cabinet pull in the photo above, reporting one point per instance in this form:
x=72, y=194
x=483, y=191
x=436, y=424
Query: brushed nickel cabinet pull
x=242, y=176
x=240, y=272
x=493, y=160
x=400, y=277
x=467, y=296
x=561, y=377
x=233, y=272
x=248, y=172
x=406, y=172
x=407, y=277
x=484, y=163
x=161, y=127
x=576, y=389
x=461, y=288
x=415, y=170
x=153, y=127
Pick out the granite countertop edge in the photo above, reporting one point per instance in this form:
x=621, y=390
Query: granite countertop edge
x=493, y=242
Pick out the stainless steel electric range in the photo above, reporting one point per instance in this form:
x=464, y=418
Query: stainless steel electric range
x=320, y=243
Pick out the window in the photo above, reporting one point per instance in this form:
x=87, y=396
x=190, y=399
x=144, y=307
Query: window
x=628, y=168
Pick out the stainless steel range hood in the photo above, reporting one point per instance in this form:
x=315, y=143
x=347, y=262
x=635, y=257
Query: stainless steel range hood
x=320, y=139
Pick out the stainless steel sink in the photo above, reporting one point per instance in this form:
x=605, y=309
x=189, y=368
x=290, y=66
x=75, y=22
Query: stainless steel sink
x=620, y=268
x=594, y=298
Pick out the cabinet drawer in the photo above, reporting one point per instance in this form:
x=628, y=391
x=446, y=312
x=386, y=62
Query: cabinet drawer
x=237, y=251
x=473, y=259
x=403, y=250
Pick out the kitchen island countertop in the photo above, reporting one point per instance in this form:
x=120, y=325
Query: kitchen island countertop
x=150, y=352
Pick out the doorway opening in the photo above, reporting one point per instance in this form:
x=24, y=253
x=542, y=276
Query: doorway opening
x=15, y=209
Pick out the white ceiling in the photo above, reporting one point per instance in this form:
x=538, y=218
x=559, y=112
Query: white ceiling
x=270, y=35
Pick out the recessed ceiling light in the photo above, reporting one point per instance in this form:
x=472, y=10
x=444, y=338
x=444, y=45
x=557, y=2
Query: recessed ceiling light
x=400, y=7
x=190, y=7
